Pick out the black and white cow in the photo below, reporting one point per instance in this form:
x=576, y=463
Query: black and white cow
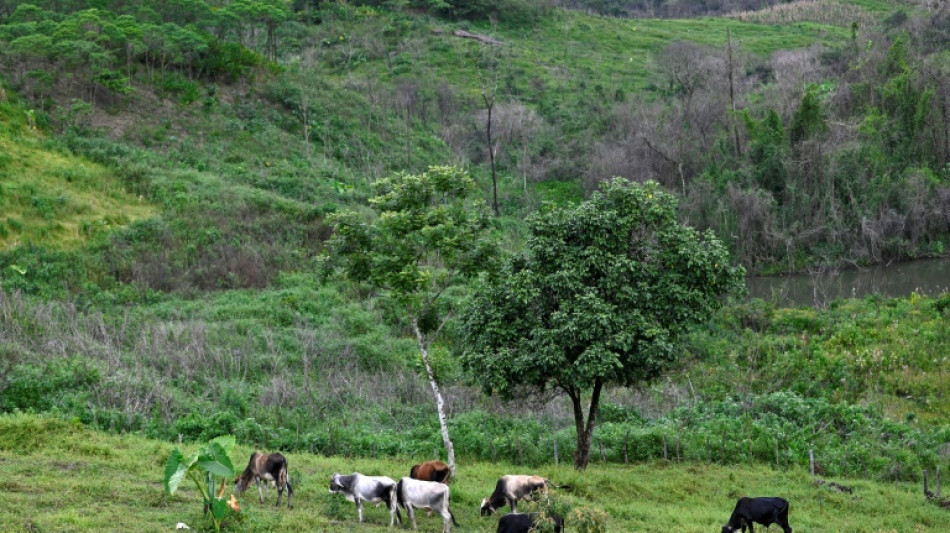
x=358, y=488
x=766, y=511
x=512, y=488
x=267, y=467
x=523, y=522
x=418, y=494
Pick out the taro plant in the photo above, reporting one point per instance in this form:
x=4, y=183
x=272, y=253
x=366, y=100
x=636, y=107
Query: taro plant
x=205, y=466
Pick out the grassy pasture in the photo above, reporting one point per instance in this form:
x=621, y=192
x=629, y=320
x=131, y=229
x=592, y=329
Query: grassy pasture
x=60, y=476
x=54, y=199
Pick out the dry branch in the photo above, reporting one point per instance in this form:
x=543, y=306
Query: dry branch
x=468, y=35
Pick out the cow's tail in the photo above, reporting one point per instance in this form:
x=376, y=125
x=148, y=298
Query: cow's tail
x=452, y=516
x=399, y=500
x=442, y=476
x=285, y=479
x=393, y=500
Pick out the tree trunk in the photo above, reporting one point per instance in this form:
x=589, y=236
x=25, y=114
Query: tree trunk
x=585, y=431
x=440, y=403
x=732, y=99
x=489, y=104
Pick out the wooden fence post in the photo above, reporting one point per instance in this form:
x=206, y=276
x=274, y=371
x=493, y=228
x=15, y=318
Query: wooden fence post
x=937, y=475
x=666, y=456
x=927, y=493
x=603, y=454
x=811, y=461
x=626, y=443
x=555, y=450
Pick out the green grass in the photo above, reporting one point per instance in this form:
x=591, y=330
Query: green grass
x=60, y=476
x=55, y=199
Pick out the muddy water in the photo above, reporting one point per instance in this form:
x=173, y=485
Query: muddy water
x=929, y=276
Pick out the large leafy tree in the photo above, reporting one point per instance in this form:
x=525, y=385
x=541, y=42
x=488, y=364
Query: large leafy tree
x=600, y=296
x=427, y=235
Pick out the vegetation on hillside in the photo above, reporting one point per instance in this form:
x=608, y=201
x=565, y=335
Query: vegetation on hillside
x=53, y=198
x=200, y=312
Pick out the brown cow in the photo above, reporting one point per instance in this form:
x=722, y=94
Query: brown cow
x=432, y=471
x=271, y=468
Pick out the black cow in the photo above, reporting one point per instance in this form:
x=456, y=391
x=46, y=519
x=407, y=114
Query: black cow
x=523, y=522
x=766, y=511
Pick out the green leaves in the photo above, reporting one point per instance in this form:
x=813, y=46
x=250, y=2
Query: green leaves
x=212, y=459
x=601, y=296
x=175, y=469
x=426, y=235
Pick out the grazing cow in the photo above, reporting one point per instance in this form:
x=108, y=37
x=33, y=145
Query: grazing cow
x=431, y=471
x=273, y=468
x=358, y=488
x=766, y=511
x=523, y=523
x=512, y=488
x=414, y=493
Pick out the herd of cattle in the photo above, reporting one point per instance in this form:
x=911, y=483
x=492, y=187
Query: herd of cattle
x=427, y=488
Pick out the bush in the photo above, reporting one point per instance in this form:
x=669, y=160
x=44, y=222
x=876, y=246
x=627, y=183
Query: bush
x=40, y=387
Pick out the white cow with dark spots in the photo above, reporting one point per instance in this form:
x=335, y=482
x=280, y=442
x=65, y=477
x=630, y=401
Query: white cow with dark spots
x=358, y=488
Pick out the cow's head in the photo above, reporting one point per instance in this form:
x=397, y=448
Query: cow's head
x=729, y=529
x=487, y=509
x=335, y=485
x=240, y=485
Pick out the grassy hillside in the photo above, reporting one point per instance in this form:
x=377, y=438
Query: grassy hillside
x=51, y=198
x=200, y=313
x=58, y=476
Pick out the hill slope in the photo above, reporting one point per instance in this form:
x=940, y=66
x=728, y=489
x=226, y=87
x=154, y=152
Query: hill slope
x=51, y=198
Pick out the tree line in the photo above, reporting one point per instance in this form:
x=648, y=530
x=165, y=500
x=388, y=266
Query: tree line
x=95, y=52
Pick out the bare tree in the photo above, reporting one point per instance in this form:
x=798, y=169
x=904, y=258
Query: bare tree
x=489, y=73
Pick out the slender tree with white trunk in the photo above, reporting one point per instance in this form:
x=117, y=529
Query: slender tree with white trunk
x=426, y=236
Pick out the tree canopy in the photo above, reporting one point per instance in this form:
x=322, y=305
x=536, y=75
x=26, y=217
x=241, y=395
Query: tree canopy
x=428, y=235
x=600, y=296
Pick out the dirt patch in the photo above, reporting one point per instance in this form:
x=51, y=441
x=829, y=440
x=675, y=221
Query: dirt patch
x=68, y=466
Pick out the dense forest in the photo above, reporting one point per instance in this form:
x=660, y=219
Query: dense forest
x=228, y=134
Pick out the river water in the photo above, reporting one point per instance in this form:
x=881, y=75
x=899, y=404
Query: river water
x=926, y=276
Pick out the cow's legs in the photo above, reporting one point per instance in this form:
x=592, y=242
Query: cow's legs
x=412, y=515
x=514, y=505
x=290, y=495
x=393, y=513
x=359, y=508
x=446, y=516
x=260, y=491
x=280, y=492
x=782, y=520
